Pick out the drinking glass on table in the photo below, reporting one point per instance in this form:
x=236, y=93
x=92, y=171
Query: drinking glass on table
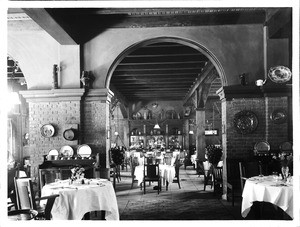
x=275, y=176
x=285, y=172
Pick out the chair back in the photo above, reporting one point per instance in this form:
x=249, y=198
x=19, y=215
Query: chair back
x=48, y=176
x=247, y=170
x=218, y=174
x=151, y=171
x=24, y=193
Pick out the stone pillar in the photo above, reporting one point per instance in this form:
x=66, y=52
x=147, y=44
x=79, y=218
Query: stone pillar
x=200, y=134
x=96, y=125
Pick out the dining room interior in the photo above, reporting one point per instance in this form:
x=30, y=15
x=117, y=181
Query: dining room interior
x=151, y=113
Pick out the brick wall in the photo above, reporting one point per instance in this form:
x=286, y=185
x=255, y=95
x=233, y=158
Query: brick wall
x=60, y=114
x=94, y=128
x=276, y=133
x=240, y=146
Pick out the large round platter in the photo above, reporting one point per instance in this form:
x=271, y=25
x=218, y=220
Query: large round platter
x=47, y=130
x=66, y=151
x=286, y=147
x=262, y=146
x=278, y=116
x=280, y=74
x=52, y=154
x=245, y=122
x=70, y=134
x=84, y=151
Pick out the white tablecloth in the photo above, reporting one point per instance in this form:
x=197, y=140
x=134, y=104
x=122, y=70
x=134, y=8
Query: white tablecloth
x=75, y=200
x=167, y=173
x=265, y=189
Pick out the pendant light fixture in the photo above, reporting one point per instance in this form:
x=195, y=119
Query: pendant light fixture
x=156, y=126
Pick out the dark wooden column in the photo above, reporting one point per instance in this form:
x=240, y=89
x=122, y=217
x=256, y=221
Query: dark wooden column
x=200, y=133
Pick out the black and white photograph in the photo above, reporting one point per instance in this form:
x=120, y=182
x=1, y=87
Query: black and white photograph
x=150, y=111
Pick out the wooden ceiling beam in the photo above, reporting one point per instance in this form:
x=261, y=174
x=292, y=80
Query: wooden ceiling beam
x=164, y=58
x=162, y=50
x=46, y=21
x=119, y=95
x=278, y=21
x=156, y=76
x=139, y=82
x=200, y=80
x=151, y=65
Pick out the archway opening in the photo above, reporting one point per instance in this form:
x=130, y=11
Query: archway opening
x=163, y=81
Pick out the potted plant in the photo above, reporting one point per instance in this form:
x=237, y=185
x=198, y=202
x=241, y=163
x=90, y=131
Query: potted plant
x=214, y=154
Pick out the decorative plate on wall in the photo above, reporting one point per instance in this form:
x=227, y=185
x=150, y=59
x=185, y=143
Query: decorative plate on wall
x=66, y=151
x=47, y=130
x=286, y=147
x=262, y=146
x=280, y=74
x=70, y=134
x=52, y=155
x=278, y=116
x=245, y=122
x=84, y=151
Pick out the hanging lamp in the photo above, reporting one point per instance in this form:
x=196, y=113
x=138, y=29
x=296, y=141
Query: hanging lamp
x=156, y=126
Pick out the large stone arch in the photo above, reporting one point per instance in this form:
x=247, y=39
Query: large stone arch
x=182, y=41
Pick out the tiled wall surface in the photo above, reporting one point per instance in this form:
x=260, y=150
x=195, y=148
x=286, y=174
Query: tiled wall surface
x=60, y=114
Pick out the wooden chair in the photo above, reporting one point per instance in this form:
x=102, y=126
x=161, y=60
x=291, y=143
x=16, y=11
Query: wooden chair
x=207, y=175
x=217, y=173
x=11, y=192
x=233, y=181
x=247, y=170
x=151, y=173
x=26, y=199
x=47, y=176
x=21, y=215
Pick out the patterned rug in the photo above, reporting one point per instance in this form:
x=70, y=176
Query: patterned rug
x=196, y=209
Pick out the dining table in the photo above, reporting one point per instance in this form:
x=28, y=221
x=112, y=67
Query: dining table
x=267, y=189
x=167, y=173
x=80, y=197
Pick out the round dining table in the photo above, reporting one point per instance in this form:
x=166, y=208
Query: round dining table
x=76, y=199
x=267, y=189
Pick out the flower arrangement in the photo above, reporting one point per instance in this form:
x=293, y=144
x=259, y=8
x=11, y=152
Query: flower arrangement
x=117, y=154
x=285, y=159
x=77, y=173
x=214, y=154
